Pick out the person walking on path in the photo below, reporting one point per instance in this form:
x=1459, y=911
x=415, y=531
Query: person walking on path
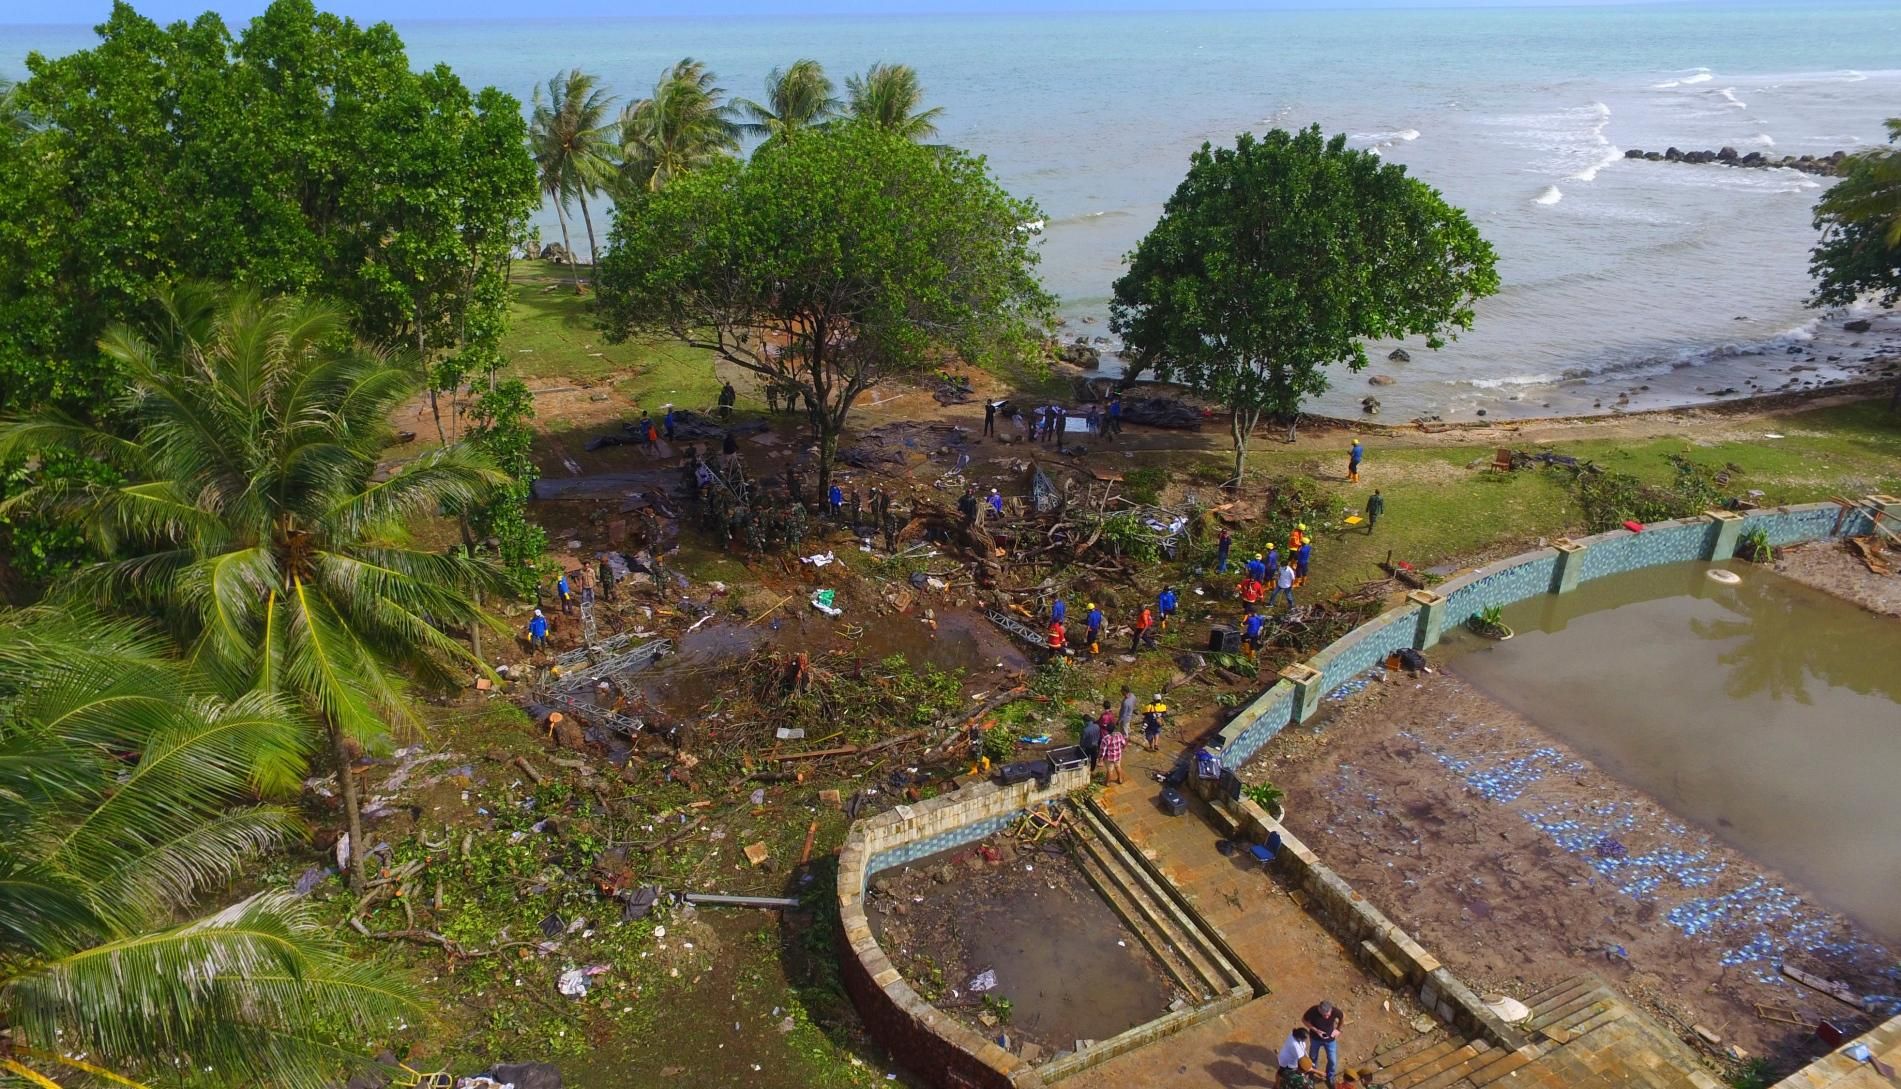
x=1114, y=429
x=1142, y=629
x=1322, y=1022
x=538, y=631
x=1301, y=559
x=1375, y=506
x=1293, y=1068
x=1152, y=721
x=1093, y=620
x=1125, y=717
x=1223, y=545
x=835, y=501
x=669, y=422
x=728, y=397
x=1283, y=584
x=1113, y=742
x=1062, y=426
x=1092, y=735
x=1353, y=462
x=646, y=431
x=1165, y=603
x=564, y=593
x=990, y=419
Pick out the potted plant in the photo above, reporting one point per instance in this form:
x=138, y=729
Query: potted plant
x=1488, y=623
x=1268, y=797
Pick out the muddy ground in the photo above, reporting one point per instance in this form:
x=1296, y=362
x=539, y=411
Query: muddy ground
x=1068, y=966
x=1830, y=567
x=1520, y=864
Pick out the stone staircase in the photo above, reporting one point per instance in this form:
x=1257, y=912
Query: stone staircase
x=1582, y=1036
x=1198, y=966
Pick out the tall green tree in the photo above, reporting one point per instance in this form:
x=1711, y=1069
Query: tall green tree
x=1859, y=253
x=684, y=126
x=250, y=517
x=799, y=97
x=1278, y=258
x=125, y=794
x=829, y=264
x=15, y=122
x=888, y=96
x=302, y=155
x=572, y=136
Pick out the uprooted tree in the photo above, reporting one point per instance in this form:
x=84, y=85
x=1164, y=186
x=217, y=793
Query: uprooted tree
x=1281, y=256
x=828, y=263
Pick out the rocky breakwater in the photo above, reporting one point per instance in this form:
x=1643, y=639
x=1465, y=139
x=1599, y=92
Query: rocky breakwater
x=1827, y=165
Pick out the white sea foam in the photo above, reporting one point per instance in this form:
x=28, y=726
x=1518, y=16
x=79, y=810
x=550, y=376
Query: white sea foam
x=1697, y=75
x=1514, y=380
x=1761, y=139
x=1550, y=194
x=1728, y=94
x=1375, y=141
x=1606, y=152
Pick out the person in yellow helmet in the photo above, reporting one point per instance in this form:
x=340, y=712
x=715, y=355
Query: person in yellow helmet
x=1152, y=721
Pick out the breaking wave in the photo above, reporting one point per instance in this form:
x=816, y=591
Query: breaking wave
x=1550, y=194
x=1698, y=75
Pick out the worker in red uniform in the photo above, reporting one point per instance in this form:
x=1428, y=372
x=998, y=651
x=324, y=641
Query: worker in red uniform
x=1058, y=641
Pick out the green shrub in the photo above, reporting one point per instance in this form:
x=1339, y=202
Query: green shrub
x=1266, y=795
x=1145, y=485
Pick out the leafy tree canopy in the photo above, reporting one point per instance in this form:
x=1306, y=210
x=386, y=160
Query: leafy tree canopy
x=831, y=260
x=1860, y=221
x=1280, y=257
x=301, y=155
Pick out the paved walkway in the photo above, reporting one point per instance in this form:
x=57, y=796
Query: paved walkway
x=1300, y=961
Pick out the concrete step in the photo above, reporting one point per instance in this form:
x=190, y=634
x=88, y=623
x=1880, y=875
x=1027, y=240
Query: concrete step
x=1503, y=1063
x=1184, y=974
x=1411, y=1047
x=1538, y=998
x=1420, y=1076
x=1595, y=997
x=1152, y=919
x=1394, y=1073
x=1482, y=1053
x=1196, y=946
x=1562, y=996
x=1583, y=1022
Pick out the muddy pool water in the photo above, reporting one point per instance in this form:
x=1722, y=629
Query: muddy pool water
x=1767, y=712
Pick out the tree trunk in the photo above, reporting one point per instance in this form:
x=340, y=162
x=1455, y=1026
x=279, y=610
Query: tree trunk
x=475, y=627
x=1894, y=402
x=581, y=194
x=352, y=808
x=827, y=453
x=1241, y=428
x=574, y=267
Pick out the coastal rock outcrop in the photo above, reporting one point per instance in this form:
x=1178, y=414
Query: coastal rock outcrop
x=1827, y=165
x=1859, y=325
x=1082, y=354
x=1381, y=380
x=1399, y=355
x=1370, y=405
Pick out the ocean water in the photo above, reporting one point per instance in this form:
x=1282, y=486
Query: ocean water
x=1617, y=273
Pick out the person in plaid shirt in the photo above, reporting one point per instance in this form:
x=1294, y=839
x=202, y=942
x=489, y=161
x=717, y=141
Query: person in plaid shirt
x=1110, y=755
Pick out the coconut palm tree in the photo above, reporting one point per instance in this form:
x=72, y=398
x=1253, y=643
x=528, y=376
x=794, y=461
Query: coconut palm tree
x=888, y=96
x=798, y=97
x=683, y=126
x=252, y=520
x=1870, y=190
x=572, y=138
x=123, y=790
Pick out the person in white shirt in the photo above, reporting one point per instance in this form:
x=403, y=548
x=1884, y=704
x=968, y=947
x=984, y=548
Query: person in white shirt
x=1283, y=584
x=1294, y=1070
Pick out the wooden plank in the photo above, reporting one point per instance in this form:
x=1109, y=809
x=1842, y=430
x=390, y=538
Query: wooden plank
x=842, y=750
x=1838, y=992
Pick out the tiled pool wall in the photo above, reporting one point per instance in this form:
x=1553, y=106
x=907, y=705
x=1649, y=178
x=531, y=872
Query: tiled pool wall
x=905, y=853
x=1510, y=581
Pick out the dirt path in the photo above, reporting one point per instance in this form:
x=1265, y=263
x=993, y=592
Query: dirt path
x=1519, y=864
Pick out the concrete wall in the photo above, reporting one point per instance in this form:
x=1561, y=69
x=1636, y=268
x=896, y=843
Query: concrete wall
x=1507, y=582
x=929, y=1043
x=1379, y=943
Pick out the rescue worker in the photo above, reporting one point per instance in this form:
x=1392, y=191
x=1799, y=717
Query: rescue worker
x=1251, y=627
x=1223, y=544
x=1301, y=559
x=1093, y=620
x=1152, y=721
x=1165, y=603
x=538, y=631
x=1059, y=611
x=1144, y=625
x=728, y=397
x=1250, y=590
x=1058, y=641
